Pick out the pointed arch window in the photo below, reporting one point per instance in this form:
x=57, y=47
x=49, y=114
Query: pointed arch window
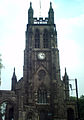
x=45, y=39
x=42, y=96
x=37, y=39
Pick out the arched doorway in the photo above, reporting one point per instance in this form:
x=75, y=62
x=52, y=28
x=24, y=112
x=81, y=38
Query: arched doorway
x=30, y=116
x=70, y=114
x=6, y=111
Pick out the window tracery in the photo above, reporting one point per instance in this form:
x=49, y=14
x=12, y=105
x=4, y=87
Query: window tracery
x=42, y=96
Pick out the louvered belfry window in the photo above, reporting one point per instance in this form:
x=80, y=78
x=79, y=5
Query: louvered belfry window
x=37, y=39
x=45, y=39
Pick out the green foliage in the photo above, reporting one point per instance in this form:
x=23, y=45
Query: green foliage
x=2, y=110
x=81, y=107
x=1, y=65
x=73, y=98
x=0, y=113
x=82, y=97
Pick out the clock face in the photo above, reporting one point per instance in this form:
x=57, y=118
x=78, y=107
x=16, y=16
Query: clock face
x=41, y=56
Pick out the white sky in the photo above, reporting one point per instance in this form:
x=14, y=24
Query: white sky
x=69, y=19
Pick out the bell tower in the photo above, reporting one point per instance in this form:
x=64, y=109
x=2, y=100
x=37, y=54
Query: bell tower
x=41, y=45
x=40, y=94
x=41, y=70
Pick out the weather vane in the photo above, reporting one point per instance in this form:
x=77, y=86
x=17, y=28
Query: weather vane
x=1, y=66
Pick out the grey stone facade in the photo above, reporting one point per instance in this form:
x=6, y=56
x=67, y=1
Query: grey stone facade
x=40, y=94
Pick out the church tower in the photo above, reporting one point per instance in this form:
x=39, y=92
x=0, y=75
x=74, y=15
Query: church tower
x=40, y=94
x=42, y=82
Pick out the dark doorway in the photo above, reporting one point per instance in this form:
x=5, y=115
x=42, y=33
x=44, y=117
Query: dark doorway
x=43, y=115
x=70, y=114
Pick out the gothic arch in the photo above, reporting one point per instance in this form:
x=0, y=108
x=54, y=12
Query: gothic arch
x=42, y=73
x=41, y=85
x=42, y=67
x=46, y=38
x=42, y=94
x=37, y=38
x=10, y=108
x=8, y=100
x=30, y=115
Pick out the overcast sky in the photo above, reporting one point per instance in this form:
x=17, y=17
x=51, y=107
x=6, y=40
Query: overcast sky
x=69, y=20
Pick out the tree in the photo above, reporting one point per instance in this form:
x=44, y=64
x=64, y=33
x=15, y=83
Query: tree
x=3, y=110
x=1, y=66
x=81, y=107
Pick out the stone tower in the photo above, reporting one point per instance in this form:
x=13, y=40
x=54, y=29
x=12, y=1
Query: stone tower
x=43, y=88
x=40, y=94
